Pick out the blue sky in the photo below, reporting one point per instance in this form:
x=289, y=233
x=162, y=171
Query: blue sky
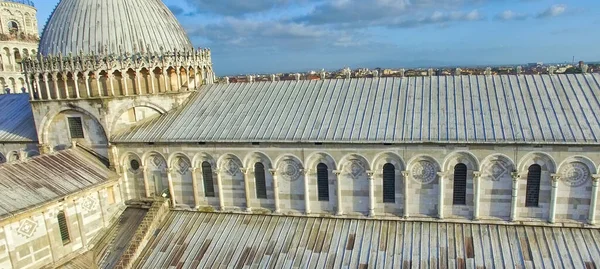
x=257, y=36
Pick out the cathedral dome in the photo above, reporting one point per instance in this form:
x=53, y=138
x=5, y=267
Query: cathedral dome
x=115, y=26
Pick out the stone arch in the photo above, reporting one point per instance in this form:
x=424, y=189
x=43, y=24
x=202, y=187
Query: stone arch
x=464, y=157
x=495, y=183
x=211, y=198
x=354, y=181
x=315, y=205
x=396, y=208
x=145, y=81
x=544, y=160
x=13, y=84
x=422, y=186
x=94, y=128
x=233, y=182
x=290, y=179
x=548, y=168
x=13, y=156
x=249, y=162
x=22, y=86
x=135, y=187
x=155, y=166
x=449, y=186
x=180, y=167
x=134, y=111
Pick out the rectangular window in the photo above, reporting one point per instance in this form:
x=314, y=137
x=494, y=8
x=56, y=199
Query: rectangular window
x=75, y=127
x=63, y=227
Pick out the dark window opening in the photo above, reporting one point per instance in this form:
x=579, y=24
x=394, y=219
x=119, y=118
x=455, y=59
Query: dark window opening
x=389, y=183
x=460, y=184
x=532, y=195
x=255, y=143
x=63, y=228
x=134, y=164
x=261, y=184
x=75, y=127
x=323, y=182
x=13, y=27
x=207, y=176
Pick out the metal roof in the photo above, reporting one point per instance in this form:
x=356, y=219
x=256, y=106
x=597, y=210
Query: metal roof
x=45, y=178
x=217, y=240
x=16, y=119
x=451, y=109
x=92, y=26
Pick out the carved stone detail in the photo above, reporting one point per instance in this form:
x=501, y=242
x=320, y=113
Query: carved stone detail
x=231, y=167
x=497, y=169
x=89, y=204
x=27, y=228
x=355, y=168
x=182, y=166
x=575, y=174
x=289, y=170
x=157, y=161
x=424, y=172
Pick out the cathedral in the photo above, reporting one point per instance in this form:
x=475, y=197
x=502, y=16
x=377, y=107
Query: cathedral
x=123, y=152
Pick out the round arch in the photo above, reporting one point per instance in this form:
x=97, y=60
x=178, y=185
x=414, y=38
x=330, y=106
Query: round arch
x=544, y=160
x=463, y=157
x=320, y=157
x=47, y=120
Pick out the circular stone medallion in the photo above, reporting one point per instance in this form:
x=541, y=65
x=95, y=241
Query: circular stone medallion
x=424, y=172
x=289, y=170
x=576, y=174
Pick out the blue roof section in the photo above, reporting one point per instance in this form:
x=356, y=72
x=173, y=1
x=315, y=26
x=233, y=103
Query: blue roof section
x=528, y=109
x=16, y=119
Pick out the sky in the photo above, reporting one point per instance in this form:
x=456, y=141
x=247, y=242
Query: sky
x=268, y=36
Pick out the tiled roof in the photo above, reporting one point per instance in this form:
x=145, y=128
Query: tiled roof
x=217, y=240
x=16, y=119
x=45, y=178
x=119, y=26
x=450, y=109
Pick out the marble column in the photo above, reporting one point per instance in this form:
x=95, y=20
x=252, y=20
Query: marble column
x=220, y=189
x=124, y=79
x=87, y=85
x=442, y=180
x=126, y=183
x=99, y=87
x=76, y=80
x=306, y=174
x=405, y=178
x=476, y=194
x=111, y=78
x=245, y=172
x=338, y=192
x=55, y=83
x=167, y=81
x=146, y=183
x=594, y=200
x=152, y=76
x=46, y=79
x=275, y=191
x=194, y=171
x=371, y=178
x=64, y=77
x=171, y=187
x=553, y=196
x=138, y=85
x=515, y=196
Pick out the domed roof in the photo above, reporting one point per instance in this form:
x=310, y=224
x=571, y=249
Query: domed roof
x=118, y=26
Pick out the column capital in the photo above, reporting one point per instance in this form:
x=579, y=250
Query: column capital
x=273, y=171
x=596, y=177
x=370, y=173
x=337, y=172
x=445, y=174
x=244, y=171
x=405, y=174
x=476, y=174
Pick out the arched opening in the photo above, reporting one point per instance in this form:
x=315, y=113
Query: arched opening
x=260, y=180
x=173, y=80
x=18, y=58
x=532, y=195
x=13, y=27
x=159, y=80
x=130, y=79
x=323, y=182
x=144, y=81
x=207, y=177
x=460, y=184
x=389, y=183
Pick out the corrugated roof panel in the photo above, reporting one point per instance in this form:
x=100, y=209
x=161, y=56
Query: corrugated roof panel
x=16, y=119
x=48, y=177
x=218, y=240
x=456, y=109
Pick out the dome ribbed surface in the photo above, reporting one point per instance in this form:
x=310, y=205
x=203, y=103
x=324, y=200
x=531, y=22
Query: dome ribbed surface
x=99, y=25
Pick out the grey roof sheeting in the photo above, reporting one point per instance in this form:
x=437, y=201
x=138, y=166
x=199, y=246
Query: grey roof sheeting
x=46, y=178
x=16, y=119
x=451, y=109
x=93, y=25
x=217, y=240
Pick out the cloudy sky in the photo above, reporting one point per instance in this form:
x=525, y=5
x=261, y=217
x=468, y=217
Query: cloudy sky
x=256, y=36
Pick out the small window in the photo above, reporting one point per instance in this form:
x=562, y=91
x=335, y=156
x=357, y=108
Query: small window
x=75, y=127
x=460, y=184
x=389, y=183
x=261, y=185
x=111, y=195
x=532, y=195
x=323, y=182
x=63, y=227
x=134, y=164
x=207, y=176
x=13, y=27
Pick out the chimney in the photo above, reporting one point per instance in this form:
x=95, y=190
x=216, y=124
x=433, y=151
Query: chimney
x=430, y=72
x=297, y=75
x=519, y=70
x=226, y=80
x=458, y=72
x=273, y=77
x=488, y=71
x=402, y=71
x=551, y=70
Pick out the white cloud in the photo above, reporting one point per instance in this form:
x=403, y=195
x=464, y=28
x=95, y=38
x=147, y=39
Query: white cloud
x=553, y=11
x=509, y=15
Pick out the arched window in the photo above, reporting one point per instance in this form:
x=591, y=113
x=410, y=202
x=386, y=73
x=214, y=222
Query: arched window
x=134, y=165
x=207, y=177
x=13, y=27
x=460, y=184
x=323, y=182
x=532, y=196
x=389, y=183
x=261, y=184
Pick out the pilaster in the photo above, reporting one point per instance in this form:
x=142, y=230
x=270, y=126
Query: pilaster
x=476, y=194
x=406, y=177
x=371, y=177
x=171, y=188
x=275, y=190
x=552, y=215
x=338, y=192
x=594, y=200
x=194, y=171
x=515, y=196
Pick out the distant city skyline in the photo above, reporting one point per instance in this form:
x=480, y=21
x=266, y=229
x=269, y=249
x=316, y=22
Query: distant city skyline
x=267, y=36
